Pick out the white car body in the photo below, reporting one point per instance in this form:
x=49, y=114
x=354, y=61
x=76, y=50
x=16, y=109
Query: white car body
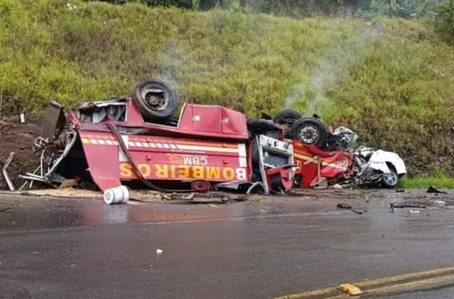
x=380, y=160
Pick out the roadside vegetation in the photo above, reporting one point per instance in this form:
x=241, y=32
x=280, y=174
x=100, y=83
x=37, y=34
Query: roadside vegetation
x=389, y=79
x=439, y=180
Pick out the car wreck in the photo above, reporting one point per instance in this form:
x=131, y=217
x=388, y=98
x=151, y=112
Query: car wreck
x=137, y=142
x=324, y=154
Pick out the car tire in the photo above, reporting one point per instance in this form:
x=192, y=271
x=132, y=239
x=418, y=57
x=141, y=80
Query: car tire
x=287, y=117
x=155, y=99
x=310, y=131
x=390, y=180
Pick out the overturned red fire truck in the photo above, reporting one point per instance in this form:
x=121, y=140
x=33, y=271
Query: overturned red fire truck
x=137, y=141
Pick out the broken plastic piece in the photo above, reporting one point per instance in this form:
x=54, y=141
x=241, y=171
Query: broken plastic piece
x=415, y=212
x=440, y=202
x=349, y=289
x=159, y=251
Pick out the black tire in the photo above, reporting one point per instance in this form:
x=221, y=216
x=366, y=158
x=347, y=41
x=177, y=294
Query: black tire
x=287, y=117
x=155, y=99
x=313, y=126
x=390, y=180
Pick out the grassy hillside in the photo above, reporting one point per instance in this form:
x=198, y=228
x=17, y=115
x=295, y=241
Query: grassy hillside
x=390, y=80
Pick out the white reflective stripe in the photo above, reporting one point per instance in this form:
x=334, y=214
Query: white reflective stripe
x=129, y=143
x=166, y=145
x=138, y=144
x=121, y=155
x=145, y=144
x=116, y=143
x=242, y=149
x=159, y=145
x=243, y=162
x=101, y=141
x=173, y=146
x=242, y=154
x=109, y=142
x=333, y=165
x=93, y=141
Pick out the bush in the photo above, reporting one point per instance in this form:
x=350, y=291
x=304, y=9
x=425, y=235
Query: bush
x=387, y=79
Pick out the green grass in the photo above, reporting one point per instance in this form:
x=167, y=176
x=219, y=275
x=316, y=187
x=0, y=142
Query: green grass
x=390, y=80
x=440, y=180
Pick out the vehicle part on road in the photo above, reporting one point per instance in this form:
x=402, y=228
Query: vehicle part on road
x=5, y=172
x=117, y=195
x=348, y=207
x=434, y=190
x=415, y=212
x=5, y=209
x=393, y=206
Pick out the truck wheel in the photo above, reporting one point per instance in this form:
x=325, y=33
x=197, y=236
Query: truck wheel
x=390, y=180
x=310, y=131
x=287, y=117
x=155, y=100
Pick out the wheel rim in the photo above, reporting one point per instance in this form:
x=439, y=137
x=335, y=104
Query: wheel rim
x=309, y=135
x=156, y=99
x=390, y=178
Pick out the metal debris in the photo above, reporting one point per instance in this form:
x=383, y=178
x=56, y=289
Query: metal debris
x=348, y=207
x=5, y=173
x=434, y=190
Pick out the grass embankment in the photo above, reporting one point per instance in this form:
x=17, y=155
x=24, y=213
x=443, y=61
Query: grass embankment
x=439, y=180
x=389, y=80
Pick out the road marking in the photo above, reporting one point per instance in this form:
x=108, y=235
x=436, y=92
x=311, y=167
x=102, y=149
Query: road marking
x=405, y=282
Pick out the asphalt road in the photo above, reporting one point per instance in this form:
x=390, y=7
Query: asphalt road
x=67, y=248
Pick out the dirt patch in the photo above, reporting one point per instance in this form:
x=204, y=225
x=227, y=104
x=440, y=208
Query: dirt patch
x=17, y=137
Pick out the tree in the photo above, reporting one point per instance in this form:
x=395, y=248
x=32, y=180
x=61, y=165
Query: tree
x=444, y=23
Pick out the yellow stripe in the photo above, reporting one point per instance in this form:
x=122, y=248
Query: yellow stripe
x=301, y=156
x=388, y=284
x=85, y=140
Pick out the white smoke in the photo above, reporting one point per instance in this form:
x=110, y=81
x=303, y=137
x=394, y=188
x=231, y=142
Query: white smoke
x=333, y=66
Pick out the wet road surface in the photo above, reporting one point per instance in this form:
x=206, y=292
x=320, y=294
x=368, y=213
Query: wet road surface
x=67, y=248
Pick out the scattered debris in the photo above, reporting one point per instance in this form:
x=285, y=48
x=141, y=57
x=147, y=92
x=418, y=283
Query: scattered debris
x=22, y=118
x=5, y=173
x=433, y=190
x=415, y=212
x=396, y=205
x=159, y=251
x=116, y=195
x=348, y=207
x=213, y=206
x=349, y=289
x=5, y=209
x=440, y=202
x=337, y=186
x=400, y=190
